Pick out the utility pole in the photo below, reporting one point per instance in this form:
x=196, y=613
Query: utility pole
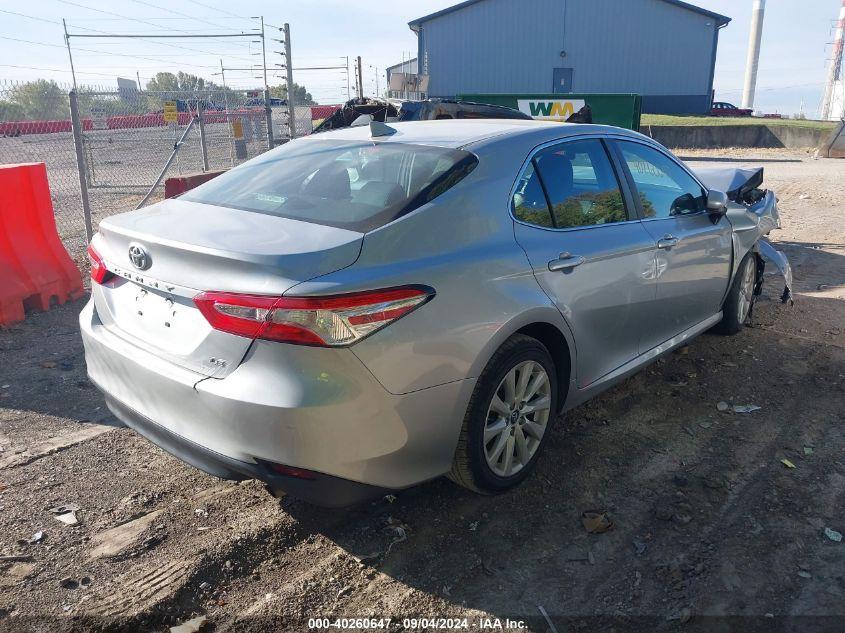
x=138, y=77
x=348, y=87
x=222, y=74
x=264, y=55
x=70, y=56
x=360, y=83
x=289, y=69
x=753, y=60
x=834, y=73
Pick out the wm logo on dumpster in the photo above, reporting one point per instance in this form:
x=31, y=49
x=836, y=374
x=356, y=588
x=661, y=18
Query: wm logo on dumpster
x=557, y=110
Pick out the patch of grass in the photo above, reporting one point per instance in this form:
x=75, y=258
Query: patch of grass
x=666, y=119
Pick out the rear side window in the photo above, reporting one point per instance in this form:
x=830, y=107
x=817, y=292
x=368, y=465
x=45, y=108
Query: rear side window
x=529, y=202
x=350, y=185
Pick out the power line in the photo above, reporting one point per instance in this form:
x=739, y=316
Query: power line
x=200, y=4
x=56, y=70
x=14, y=39
x=185, y=15
x=140, y=21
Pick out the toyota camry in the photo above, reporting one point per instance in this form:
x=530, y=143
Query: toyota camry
x=366, y=309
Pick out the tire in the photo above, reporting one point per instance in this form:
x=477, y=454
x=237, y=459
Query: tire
x=474, y=466
x=741, y=297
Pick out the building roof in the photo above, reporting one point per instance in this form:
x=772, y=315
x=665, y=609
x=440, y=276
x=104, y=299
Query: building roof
x=721, y=20
x=407, y=62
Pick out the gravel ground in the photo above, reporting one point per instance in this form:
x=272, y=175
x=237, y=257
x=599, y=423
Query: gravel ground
x=711, y=528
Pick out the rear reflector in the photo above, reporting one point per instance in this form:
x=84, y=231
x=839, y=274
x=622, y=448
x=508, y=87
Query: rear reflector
x=331, y=321
x=291, y=471
x=99, y=273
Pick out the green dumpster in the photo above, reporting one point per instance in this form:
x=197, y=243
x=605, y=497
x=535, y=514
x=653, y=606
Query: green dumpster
x=621, y=110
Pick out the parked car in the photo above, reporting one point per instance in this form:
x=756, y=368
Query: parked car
x=722, y=108
x=359, y=311
x=258, y=102
x=362, y=111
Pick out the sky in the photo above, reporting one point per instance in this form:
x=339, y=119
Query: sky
x=795, y=50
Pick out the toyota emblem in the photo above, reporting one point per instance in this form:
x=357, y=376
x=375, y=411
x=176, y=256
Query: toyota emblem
x=139, y=256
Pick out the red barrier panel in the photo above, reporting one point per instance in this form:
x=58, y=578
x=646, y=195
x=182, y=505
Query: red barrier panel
x=129, y=121
x=180, y=184
x=323, y=112
x=36, y=269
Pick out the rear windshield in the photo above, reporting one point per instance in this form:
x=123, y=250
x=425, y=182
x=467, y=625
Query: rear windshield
x=352, y=185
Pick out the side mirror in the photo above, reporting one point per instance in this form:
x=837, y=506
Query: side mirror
x=717, y=202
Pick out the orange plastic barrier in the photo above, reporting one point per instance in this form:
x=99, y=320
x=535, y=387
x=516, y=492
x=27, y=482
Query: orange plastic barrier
x=180, y=184
x=35, y=269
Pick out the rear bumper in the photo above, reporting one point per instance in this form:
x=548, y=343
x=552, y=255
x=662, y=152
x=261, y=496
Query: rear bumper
x=312, y=408
x=322, y=490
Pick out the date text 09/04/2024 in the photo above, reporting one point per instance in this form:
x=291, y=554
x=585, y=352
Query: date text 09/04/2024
x=491, y=624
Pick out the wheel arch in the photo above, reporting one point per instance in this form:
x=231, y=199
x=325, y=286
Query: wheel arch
x=547, y=326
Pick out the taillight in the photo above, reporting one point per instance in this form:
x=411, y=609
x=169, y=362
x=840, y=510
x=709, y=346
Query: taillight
x=99, y=273
x=331, y=321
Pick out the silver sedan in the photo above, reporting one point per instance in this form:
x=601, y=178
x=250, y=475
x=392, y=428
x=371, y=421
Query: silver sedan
x=367, y=309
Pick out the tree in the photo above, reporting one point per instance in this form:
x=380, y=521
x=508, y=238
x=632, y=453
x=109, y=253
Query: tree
x=300, y=95
x=180, y=82
x=38, y=100
x=11, y=111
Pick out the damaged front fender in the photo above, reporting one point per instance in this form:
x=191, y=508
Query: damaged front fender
x=767, y=252
x=753, y=214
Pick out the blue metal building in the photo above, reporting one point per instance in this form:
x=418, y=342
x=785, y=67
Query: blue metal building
x=664, y=50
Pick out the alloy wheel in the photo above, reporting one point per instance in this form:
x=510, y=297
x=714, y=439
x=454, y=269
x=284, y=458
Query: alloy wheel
x=746, y=291
x=517, y=418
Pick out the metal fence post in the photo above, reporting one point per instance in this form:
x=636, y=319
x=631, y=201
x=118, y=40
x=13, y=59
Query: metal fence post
x=203, y=145
x=76, y=126
x=268, y=114
x=173, y=154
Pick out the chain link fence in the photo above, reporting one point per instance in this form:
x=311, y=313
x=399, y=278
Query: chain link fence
x=125, y=139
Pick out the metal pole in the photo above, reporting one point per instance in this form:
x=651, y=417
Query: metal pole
x=228, y=120
x=176, y=147
x=138, y=77
x=289, y=69
x=268, y=114
x=751, y=64
x=834, y=72
x=203, y=145
x=348, y=87
x=360, y=82
x=264, y=56
x=69, y=54
x=76, y=125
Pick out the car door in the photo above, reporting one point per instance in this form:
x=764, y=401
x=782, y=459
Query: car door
x=587, y=249
x=693, y=254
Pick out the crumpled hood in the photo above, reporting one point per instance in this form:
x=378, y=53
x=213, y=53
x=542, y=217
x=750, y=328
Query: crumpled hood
x=735, y=182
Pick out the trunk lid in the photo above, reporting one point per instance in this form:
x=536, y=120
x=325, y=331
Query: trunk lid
x=189, y=247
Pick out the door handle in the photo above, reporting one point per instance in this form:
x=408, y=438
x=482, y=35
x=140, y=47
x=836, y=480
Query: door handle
x=667, y=241
x=566, y=261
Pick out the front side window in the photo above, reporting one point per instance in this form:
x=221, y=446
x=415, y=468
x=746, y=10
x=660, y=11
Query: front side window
x=581, y=185
x=352, y=185
x=665, y=188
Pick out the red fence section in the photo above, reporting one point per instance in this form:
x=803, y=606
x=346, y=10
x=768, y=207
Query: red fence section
x=153, y=119
x=36, y=269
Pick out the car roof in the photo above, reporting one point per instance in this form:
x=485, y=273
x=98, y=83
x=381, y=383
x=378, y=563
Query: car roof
x=454, y=133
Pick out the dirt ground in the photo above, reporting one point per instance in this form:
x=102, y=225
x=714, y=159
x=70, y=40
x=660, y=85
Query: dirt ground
x=713, y=530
